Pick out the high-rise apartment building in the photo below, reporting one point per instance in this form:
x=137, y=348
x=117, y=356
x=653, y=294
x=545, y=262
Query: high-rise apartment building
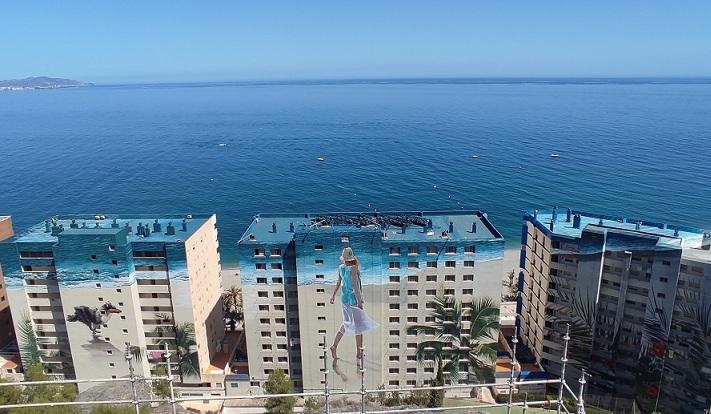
x=7, y=332
x=637, y=295
x=87, y=285
x=289, y=268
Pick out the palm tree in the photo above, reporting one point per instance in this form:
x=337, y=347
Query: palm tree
x=232, y=305
x=182, y=345
x=29, y=349
x=453, y=346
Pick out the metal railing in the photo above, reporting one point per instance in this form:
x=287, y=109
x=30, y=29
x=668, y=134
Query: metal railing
x=327, y=392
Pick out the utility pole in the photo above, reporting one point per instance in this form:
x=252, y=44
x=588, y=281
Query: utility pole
x=132, y=376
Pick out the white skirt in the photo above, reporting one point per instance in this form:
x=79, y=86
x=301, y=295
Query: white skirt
x=356, y=321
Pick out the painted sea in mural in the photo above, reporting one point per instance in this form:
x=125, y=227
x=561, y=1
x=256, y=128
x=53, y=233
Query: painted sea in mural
x=636, y=148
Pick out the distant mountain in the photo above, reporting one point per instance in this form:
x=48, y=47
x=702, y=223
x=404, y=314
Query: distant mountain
x=40, y=82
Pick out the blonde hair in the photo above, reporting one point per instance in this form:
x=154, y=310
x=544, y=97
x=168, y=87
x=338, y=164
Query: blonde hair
x=347, y=255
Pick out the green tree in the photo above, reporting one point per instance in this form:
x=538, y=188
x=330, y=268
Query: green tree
x=119, y=409
x=232, y=306
x=49, y=393
x=29, y=350
x=455, y=349
x=279, y=383
x=9, y=395
x=182, y=344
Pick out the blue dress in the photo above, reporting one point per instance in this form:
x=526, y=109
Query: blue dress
x=355, y=320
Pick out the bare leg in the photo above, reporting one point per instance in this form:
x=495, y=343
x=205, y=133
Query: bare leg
x=359, y=345
x=336, y=340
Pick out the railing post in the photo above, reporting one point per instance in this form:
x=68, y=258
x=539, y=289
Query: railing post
x=325, y=374
x=514, y=341
x=581, y=404
x=362, y=381
x=132, y=377
x=525, y=402
x=563, y=361
x=167, y=355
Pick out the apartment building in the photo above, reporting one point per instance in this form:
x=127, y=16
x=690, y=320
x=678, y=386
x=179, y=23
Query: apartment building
x=89, y=284
x=7, y=333
x=636, y=294
x=289, y=266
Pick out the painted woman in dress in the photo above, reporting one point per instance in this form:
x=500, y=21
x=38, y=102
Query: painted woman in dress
x=355, y=320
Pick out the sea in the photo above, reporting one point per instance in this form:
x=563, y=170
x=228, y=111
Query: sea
x=626, y=147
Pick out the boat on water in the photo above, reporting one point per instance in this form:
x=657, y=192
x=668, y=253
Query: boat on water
x=321, y=159
x=474, y=156
x=555, y=155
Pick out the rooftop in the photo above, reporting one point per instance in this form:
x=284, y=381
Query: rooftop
x=682, y=236
x=419, y=226
x=85, y=224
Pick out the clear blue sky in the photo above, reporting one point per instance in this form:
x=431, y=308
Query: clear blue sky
x=108, y=41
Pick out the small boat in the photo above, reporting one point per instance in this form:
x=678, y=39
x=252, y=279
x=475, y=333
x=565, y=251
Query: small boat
x=221, y=145
x=473, y=156
x=554, y=155
x=321, y=159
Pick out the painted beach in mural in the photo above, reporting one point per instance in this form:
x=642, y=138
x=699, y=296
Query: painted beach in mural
x=351, y=279
x=88, y=285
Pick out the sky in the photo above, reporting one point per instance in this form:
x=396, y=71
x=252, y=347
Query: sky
x=127, y=41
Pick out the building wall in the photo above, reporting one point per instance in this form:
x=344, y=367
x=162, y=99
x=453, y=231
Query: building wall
x=205, y=291
x=288, y=313
x=7, y=333
x=150, y=285
x=630, y=288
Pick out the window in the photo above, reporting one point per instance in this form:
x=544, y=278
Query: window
x=394, y=345
x=320, y=290
x=666, y=262
x=394, y=319
x=470, y=248
x=468, y=278
x=254, y=383
x=263, y=294
x=411, y=358
x=96, y=271
x=394, y=358
x=267, y=347
x=277, y=280
x=394, y=306
x=277, y=266
x=413, y=278
x=661, y=295
x=278, y=294
x=260, y=266
x=431, y=278
x=282, y=359
x=263, y=307
x=394, y=332
x=395, y=250
x=413, y=265
x=412, y=345
x=432, y=249
x=449, y=292
x=450, y=263
x=467, y=291
x=394, y=265
x=318, y=247
x=281, y=333
x=412, y=292
x=469, y=263
x=663, y=279
x=259, y=252
x=318, y=261
x=394, y=383
x=275, y=252
x=321, y=304
x=412, y=319
x=114, y=262
x=266, y=334
x=451, y=250
x=262, y=280
x=394, y=370
x=412, y=370
x=279, y=307
x=413, y=250
x=430, y=305
x=394, y=293
x=449, y=278
x=412, y=306
x=432, y=264
x=322, y=332
x=394, y=279
x=319, y=276
x=412, y=332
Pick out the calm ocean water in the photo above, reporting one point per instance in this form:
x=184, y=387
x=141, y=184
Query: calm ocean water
x=626, y=148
